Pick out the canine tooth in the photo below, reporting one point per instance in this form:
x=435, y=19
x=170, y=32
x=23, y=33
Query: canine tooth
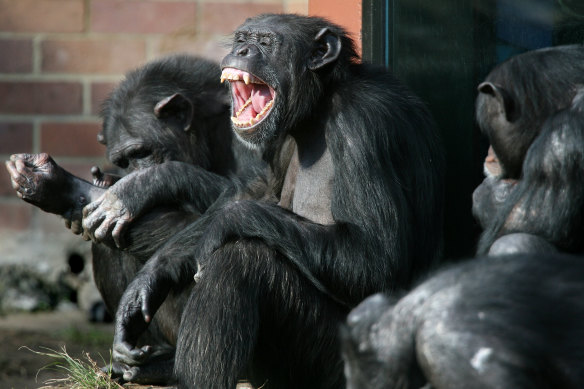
x=246, y=78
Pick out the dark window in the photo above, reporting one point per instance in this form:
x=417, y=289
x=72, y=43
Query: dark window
x=442, y=50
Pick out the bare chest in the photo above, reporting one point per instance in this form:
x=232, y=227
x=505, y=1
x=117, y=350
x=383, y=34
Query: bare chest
x=307, y=189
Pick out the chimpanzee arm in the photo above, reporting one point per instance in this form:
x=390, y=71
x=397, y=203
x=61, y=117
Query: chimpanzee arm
x=171, y=183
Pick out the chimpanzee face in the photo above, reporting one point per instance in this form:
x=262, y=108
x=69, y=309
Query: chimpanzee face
x=135, y=138
x=272, y=78
x=255, y=88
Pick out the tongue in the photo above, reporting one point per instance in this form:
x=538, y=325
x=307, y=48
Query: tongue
x=260, y=97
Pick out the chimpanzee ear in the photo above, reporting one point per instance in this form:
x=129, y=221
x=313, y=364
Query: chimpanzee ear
x=326, y=49
x=502, y=98
x=175, y=108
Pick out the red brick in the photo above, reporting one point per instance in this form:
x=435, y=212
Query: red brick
x=42, y=15
x=15, y=138
x=71, y=139
x=297, y=7
x=198, y=44
x=347, y=16
x=16, y=56
x=20, y=97
x=223, y=18
x=142, y=17
x=92, y=56
x=99, y=92
x=5, y=185
x=15, y=216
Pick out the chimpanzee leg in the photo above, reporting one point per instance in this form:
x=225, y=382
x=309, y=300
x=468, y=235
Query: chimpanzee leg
x=251, y=314
x=114, y=269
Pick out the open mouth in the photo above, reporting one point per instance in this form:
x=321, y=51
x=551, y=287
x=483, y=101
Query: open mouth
x=253, y=99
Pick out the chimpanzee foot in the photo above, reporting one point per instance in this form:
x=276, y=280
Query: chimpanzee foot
x=38, y=180
x=157, y=370
x=101, y=179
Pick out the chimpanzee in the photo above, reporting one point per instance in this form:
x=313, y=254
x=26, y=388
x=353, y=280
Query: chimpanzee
x=513, y=321
x=530, y=107
x=170, y=111
x=353, y=207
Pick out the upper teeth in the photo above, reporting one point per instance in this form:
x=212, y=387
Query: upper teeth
x=230, y=75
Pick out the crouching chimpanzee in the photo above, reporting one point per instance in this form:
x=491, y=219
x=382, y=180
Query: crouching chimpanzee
x=170, y=111
x=355, y=210
x=514, y=321
x=531, y=109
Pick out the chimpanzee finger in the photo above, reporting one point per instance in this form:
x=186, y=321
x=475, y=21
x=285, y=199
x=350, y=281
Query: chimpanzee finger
x=19, y=157
x=76, y=227
x=118, y=233
x=146, y=307
x=131, y=373
x=115, y=370
x=91, y=219
x=19, y=182
x=126, y=353
x=101, y=232
x=91, y=207
x=15, y=177
x=10, y=166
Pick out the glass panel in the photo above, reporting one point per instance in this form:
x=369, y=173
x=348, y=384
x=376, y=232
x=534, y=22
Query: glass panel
x=442, y=50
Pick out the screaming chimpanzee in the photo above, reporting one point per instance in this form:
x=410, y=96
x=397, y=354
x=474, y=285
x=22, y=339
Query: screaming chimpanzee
x=531, y=108
x=514, y=321
x=353, y=207
x=171, y=111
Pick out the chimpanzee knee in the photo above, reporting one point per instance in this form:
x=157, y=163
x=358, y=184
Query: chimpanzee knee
x=276, y=323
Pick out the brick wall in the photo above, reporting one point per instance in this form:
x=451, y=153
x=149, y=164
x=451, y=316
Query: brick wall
x=60, y=58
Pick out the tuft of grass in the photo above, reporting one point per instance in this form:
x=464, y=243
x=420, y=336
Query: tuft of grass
x=79, y=374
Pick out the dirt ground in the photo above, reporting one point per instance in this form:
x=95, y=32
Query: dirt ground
x=21, y=368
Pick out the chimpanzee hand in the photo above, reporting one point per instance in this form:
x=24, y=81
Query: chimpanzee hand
x=138, y=305
x=119, y=206
x=107, y=213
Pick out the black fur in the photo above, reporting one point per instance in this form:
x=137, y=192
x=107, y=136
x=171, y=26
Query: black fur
x=272, y=283
x=492, y=322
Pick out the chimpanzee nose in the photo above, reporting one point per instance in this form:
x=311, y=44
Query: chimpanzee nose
x=246, y=51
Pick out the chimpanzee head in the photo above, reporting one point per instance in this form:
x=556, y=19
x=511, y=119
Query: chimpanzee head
x=278, y=68
x=164, y=111
x=520, y=94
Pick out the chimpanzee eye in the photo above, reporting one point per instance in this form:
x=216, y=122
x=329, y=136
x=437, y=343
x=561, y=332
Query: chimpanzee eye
x=240, y=38
x=265, y=41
